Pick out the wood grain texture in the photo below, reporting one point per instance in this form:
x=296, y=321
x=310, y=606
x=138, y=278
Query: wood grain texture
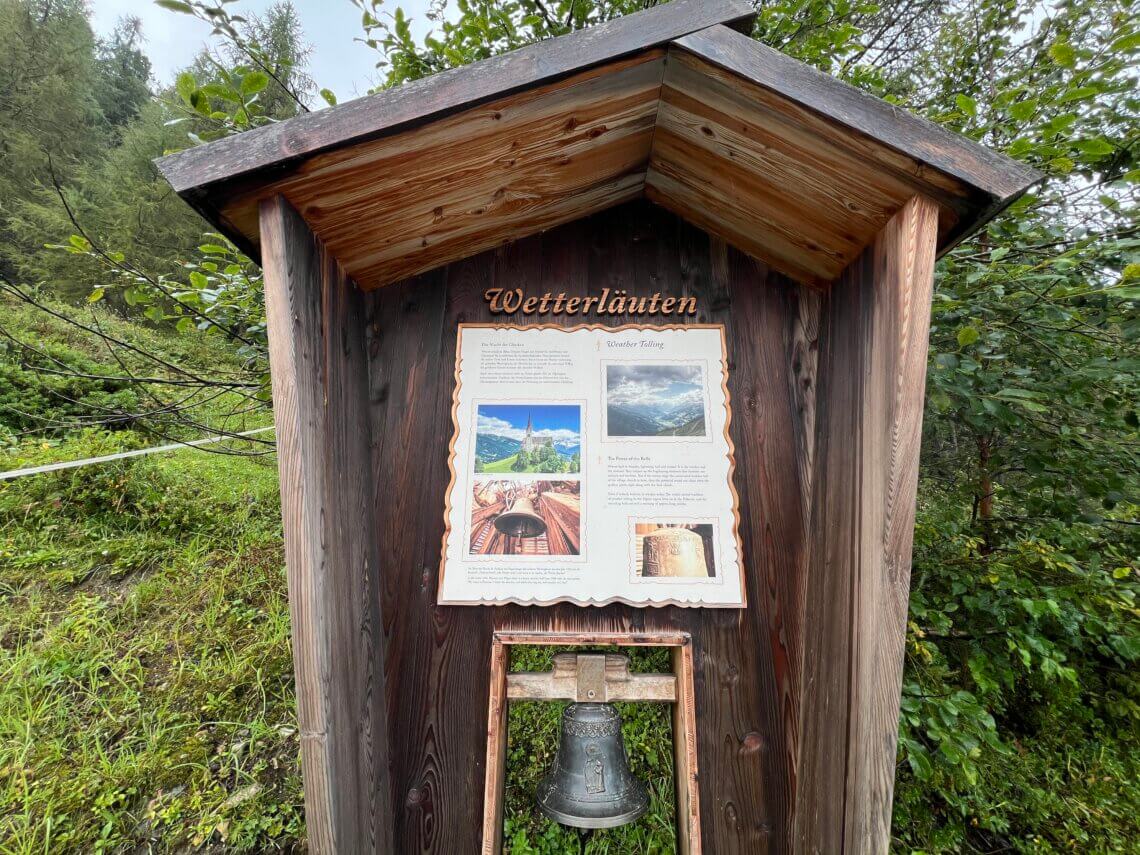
x=686, y=768
x=771, y=179
x=618, y=684
x=436, y=659
x=496, y=763
x=441, y=94
x=744, y=663
x=868, y=427
x=406, y=203
x=320, y=381
x=852, y=111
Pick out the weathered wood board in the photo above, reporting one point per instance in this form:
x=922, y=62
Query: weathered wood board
x=869, y=413
x=320, y=387
x=746, y=664
x=400, y=204
x=789, y=165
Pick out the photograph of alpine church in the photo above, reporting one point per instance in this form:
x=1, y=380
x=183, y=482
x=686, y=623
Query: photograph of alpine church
x=537, y=438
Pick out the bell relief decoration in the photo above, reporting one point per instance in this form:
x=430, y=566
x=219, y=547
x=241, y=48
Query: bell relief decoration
x=590, y=785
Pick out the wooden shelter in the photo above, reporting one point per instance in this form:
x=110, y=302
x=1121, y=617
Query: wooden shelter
x=662, y=152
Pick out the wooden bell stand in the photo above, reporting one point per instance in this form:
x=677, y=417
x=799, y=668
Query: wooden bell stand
x=664, y=153
x=595, y=678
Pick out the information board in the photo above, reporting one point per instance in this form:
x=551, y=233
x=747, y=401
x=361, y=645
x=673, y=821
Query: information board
x=591, y=464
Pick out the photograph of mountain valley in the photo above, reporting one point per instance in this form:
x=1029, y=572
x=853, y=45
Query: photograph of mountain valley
x=654, y=400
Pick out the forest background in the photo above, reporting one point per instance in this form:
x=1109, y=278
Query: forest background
x=145, y=677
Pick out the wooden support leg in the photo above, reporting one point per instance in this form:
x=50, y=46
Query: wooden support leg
x=320, y=396
x=868, y=427
x=496, y=750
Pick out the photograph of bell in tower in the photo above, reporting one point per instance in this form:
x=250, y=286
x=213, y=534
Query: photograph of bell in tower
x=537, y=438
x=526, y=518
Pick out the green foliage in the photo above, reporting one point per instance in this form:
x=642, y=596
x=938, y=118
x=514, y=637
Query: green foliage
x=258, y=78
x=79, y=132
x=542, y=459
x=121, y=87
x=55, y=378
x=1021, y=685
x=483, y=28
x=220, y=293
x=47, y=123
x=48, y=401
x=121, y=203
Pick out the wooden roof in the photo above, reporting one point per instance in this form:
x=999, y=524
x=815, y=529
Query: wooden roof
x=788, y=164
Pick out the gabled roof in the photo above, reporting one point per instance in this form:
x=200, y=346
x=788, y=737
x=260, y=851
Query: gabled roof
x=786, y=163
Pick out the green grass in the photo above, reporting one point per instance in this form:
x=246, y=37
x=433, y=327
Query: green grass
x=505, y=464
x=146, y=684
x=145, y=675
x=56, y=377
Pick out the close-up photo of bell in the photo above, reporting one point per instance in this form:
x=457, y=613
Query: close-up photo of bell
x=674, y=552
x=520, y=520
x=590, y=785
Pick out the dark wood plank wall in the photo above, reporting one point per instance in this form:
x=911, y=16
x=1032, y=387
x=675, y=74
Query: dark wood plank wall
x=747, y=663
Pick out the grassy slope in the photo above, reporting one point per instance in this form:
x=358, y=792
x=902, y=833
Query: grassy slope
x=146, y=688
x=502, y=465
x=505, y=464
x=145, y=672
x=49, y=404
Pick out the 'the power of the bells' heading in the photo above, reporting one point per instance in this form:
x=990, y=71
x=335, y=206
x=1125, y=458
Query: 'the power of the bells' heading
x=509, y=301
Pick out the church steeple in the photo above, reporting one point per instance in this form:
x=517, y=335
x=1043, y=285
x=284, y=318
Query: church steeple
x=528, y=425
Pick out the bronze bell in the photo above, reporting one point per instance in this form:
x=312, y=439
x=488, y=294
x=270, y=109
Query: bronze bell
x=520, y=520
x=590, y=785
x=674, y=552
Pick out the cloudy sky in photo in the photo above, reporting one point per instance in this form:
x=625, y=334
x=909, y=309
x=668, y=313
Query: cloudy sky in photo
x=653, y=385
x=347, y=67
x=561, y=422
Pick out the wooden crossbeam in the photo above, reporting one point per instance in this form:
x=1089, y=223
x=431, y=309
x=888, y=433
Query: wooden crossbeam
x=567, y=682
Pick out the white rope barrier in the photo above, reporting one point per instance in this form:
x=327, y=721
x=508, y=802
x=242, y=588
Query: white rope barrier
x=138, y=452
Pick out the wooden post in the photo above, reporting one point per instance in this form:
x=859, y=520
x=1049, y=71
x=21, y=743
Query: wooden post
x=320, y=396
x=868, y=426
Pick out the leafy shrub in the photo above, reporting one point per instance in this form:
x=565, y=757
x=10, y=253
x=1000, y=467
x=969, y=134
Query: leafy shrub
x=47, y=401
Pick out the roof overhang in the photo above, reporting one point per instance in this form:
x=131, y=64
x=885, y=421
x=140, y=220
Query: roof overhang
x=788, y=164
